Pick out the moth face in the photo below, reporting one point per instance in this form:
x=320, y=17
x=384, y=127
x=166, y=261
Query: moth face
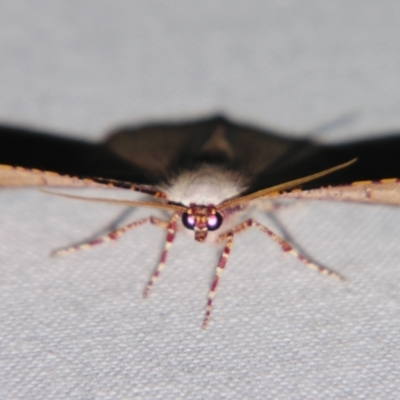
x=201, y=219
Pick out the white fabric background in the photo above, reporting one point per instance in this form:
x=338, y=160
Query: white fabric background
x=77, y=327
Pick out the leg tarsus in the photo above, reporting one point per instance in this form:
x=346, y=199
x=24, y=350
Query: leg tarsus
x=285, y=246
x=220, y=267
x=171, y=232
x=111, y=236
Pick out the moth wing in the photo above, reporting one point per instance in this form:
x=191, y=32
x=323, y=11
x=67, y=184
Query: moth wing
x=385, y=191
x=150, y=153
x=163, y=149
x=377, y=158
x=24, y=177
x=47, y=151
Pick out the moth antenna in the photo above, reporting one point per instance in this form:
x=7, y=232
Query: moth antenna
x=128, y=203
x=283, y=186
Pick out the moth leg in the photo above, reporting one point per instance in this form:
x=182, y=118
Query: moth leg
x=285, y=246
x=221, y=265
x=171, y=232
x=112, y=236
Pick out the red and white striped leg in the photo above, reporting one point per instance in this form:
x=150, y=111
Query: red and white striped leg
x=221, y=265
x=112, y=236
x=171, y=232
x=285, y=246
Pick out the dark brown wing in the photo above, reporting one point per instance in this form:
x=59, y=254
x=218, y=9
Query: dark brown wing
x=377, y=158
x=148, y=154
x=162, y=149
x=45, y=151
x=267, y=157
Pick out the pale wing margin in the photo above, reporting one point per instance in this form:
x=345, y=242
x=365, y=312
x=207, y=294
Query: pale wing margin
x=24, y=177
x=386, y=191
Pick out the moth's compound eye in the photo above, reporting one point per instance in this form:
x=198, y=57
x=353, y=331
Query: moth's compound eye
x=214, y=221
x=188, y=221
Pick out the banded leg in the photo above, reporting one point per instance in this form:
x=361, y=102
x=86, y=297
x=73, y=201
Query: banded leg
x=112, y=236
x=285, y=246
x=171, y=232
x=221, y=265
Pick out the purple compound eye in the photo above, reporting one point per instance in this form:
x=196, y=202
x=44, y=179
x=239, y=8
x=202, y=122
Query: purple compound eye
x=188, y=221
x=214, y=221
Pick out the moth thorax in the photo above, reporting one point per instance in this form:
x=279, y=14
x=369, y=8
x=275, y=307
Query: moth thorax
x=208, y=184
x=201, y=219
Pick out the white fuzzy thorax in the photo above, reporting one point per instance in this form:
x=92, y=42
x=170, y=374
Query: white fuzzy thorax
x=206, y=185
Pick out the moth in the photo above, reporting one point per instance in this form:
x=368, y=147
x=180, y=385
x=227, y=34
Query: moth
x=207, y=175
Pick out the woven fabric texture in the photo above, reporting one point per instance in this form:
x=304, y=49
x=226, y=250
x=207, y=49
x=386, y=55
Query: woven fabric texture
x=76, y=327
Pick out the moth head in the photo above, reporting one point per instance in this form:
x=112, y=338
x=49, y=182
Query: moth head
x=201, y=220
